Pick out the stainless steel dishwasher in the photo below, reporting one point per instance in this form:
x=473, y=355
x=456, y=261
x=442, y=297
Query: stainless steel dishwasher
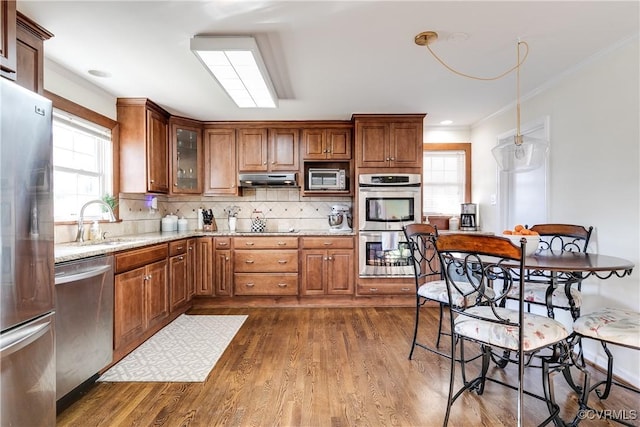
x=84, y=323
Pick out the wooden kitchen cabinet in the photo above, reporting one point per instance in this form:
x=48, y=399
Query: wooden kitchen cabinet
x=178, y=275
x=144, y=146
x=326, y=143
x=327, y=266
x=223, y=266
x=186, y=156
x=8, y=58
x=30, y=38
x=191, y=268
x=141, y=296
x=388, y=141
x=220, y=162
x=204, y=266
x=265, y=266
x=268, y=150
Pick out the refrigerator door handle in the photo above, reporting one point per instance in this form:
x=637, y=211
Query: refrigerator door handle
x=10, y=342
x=62, y=279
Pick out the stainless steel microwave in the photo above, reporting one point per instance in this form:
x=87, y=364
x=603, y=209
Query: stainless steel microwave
x=327, y=179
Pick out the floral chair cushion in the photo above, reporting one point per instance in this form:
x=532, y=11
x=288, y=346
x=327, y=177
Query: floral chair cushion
x=536, y=293
x=437, y=291
x=539, y=331
x=614, y=325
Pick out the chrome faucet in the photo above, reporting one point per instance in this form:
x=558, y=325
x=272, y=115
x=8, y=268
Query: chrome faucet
x=80, y=234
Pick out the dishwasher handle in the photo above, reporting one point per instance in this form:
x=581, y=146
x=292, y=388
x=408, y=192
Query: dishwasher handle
x=68, y=278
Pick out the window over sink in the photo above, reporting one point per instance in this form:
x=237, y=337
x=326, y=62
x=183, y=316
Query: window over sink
x=83, y=166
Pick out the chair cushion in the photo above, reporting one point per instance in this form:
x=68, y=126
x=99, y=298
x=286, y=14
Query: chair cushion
x=536, y=293
x=437, y=291
x=539, y=331
x=614, y=325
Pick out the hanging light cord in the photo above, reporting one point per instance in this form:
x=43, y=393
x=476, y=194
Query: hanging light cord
x=515, y=67
x=519, y=62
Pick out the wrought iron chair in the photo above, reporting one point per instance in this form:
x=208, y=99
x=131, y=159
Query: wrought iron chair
x=556, y=238
x=620, y=327
x=428, y=278
x=429, y=282
x=471, y=265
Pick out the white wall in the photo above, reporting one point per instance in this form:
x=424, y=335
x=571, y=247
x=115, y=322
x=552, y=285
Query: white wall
x=594, y=171
x=62, y=82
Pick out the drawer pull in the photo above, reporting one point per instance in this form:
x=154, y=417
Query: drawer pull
x=222, y=243
x=282, y=261
x=405, y=289
x=282, y=285
x=249, y=243
x=282, y=243
x=328, y=243
x=179, y=248
x=250, y=285
x=249, y=261
x=373, y=289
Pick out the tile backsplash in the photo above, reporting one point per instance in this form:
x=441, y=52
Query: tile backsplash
x=283, y=209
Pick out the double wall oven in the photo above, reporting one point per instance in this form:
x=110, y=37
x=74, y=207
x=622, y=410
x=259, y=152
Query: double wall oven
x=386, y=203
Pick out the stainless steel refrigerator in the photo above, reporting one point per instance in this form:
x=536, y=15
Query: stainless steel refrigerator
x=27, y=341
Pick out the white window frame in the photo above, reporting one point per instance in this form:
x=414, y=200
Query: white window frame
x=464, y=174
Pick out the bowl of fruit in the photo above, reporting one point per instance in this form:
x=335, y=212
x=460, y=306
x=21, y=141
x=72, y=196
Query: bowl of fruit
x=518, y=233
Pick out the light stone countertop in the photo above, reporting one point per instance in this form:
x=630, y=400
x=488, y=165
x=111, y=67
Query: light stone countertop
x=73, y=250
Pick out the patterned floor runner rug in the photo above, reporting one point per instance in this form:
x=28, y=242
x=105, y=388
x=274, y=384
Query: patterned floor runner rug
x=184, y=351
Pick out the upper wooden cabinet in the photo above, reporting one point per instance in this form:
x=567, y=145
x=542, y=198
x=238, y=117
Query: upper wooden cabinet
x=220, y=162
x=388, y=141
x=326, y=144
x=21, y=48
x=268, y=150
x=8, y=61
x=30, y=38
x=144, y=152
x=186, y=156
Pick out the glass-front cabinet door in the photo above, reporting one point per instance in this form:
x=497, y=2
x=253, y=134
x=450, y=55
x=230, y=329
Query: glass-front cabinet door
x=186, y=170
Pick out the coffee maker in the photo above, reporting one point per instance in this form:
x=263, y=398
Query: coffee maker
x=469, y=217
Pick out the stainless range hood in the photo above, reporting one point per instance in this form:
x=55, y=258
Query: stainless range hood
x=268, y=179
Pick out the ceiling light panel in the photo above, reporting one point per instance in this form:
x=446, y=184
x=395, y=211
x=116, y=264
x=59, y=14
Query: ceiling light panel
x=237, y=65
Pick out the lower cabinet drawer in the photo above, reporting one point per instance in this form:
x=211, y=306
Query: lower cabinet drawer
x=248, y=261
x=265, y=284
x=386, y=289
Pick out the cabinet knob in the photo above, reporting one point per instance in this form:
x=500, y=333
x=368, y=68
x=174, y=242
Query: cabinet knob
x=392, y=158
x=152, y=181
x=273, y=163
x=264, y=163
x=175, y=184
x=330, y=258
x=226, y=258
x=324, y=258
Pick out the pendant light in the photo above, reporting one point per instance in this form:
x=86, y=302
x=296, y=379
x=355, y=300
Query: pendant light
x=524, y=153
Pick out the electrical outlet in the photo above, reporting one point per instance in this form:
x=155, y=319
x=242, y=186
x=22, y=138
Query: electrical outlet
x=493, y=200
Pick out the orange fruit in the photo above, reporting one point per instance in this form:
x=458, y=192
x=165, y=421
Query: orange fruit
x=518, y=227
x=507, y=232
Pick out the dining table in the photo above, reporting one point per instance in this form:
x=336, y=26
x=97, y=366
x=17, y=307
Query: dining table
x=567, y=269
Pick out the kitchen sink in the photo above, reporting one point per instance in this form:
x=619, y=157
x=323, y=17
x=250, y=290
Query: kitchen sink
x=114, y=241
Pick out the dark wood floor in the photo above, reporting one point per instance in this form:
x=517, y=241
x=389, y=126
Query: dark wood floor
x=319, y=367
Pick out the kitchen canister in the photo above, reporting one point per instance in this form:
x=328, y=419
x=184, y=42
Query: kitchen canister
x=182, y=224
x=454, y=223
x=169, y=223
x=258, y=222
